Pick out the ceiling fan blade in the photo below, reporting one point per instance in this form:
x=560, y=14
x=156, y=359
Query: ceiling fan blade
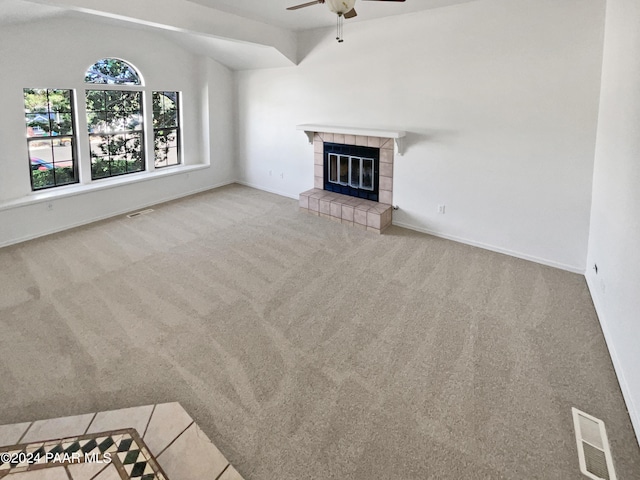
x=351, y=13
x=308, y=4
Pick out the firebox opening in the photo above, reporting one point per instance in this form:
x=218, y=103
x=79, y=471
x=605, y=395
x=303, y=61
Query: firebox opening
x=352, y=170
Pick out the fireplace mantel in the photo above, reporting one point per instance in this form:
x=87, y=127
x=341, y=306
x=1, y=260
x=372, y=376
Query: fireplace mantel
x=396, y=135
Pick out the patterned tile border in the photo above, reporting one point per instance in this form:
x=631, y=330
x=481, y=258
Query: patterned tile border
x=153, y=442
x=124, y=449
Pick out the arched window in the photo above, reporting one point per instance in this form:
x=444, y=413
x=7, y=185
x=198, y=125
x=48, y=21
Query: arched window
x=115, y=119
x=112, y=71
x=116, y=127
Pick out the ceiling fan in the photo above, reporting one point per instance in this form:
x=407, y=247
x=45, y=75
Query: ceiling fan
x=342, y=8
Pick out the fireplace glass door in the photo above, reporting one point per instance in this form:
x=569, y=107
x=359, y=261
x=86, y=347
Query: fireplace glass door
x=355, y=172
x=352, y=170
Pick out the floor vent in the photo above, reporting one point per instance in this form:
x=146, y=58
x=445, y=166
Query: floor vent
x=137, y=214
x=593, y=447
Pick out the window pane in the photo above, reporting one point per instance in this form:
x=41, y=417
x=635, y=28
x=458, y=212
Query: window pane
x=62, y=124
x=165, y=109
x=60, y=100
x=35, y=100
x=38, y=125
x=64, y=175
x=113, y=100
x=100, y=167
x=97, y=122
x=166, y=128
x=63, y=153
x=122, y=151
x=133, y=147
x=118, y=167
x=166, y=148
x=41, y=155
x=96, y=100
x=49, y=122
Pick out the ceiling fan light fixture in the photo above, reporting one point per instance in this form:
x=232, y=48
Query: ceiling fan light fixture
x=340, y=7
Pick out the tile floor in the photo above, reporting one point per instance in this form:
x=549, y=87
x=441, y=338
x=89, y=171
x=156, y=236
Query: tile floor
x=154, y=442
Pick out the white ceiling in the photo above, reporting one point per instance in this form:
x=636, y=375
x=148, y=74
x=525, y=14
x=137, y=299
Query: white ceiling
x=17, y=11
x=275, y=12
x=236, y=53
x=272, y=12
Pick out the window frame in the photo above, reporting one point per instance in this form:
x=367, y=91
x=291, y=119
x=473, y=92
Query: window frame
x=53, y=137
x=104, y=88
x=177, y=128
x=128, y=133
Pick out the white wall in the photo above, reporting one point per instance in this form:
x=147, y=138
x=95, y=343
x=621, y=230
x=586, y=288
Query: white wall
x=614, y=241
x=55, y=54
x=500, y=98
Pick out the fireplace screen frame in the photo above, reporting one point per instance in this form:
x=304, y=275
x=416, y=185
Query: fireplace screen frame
x=343, y=182
x=356, y=174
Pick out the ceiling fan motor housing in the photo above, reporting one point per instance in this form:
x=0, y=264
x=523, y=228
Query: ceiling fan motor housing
x=340, y=7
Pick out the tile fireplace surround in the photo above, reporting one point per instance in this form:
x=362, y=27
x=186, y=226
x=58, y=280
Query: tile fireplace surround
x=365, y=214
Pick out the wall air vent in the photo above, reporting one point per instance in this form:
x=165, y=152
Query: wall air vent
x=137, y=214
x=593, y=447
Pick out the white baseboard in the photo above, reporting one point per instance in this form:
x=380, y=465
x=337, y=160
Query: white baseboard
x=634, y=413
x=473, y=243
x=131, y=208
x=543, y=261
x=264, y=189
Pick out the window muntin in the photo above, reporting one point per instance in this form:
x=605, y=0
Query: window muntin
x=166, y=128
x=50, y=137
x=356, y=172
x=112, y=71
x=115, y=123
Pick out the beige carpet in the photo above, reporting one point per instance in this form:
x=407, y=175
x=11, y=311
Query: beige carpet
x=310, y=350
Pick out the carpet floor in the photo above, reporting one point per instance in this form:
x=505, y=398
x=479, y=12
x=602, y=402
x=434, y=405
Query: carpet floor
x=306, y=349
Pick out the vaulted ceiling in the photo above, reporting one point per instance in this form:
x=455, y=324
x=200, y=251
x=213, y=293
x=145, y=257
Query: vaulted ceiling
x=274, y=11
x=241, y=34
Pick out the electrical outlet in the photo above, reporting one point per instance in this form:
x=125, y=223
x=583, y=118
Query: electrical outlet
x=282, y=175
x=442, y=209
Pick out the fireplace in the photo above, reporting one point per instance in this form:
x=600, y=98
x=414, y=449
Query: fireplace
x=353, y=175
x=352, y=170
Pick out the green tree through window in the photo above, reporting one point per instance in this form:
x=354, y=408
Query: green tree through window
x=112, y=71
x=114, y=118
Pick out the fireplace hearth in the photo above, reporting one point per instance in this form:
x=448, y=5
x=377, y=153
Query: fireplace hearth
x=353, y=171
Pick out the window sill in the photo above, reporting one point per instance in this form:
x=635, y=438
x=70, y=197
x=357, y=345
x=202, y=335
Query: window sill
x=80, y=189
